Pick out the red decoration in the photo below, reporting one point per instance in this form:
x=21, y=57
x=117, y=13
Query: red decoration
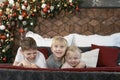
x=25, y=4
x=6, y=3
x=14, y=14
x=3, y=37
x=4, y=59
x=1, y=14
x=48, y=6
x=24, y=13
x=21, y=30
x=71, y=4
x=33, y=14
x=45, y=10
x=77, y=9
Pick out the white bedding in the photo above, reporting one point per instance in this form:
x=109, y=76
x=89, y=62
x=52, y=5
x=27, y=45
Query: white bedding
x=79, y=40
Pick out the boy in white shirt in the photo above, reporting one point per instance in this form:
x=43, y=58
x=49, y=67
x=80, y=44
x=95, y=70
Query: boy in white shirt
x=28, y=56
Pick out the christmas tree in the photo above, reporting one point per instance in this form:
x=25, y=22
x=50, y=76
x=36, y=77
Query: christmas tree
x=22, y=15
x=6, y=40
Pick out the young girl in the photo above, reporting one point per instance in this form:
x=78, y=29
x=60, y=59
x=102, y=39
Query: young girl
x=58, y=48
x=28, y=56
x=72, y=58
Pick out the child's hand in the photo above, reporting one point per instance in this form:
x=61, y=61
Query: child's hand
x=26, y=64
x=19, y=64
x=29, y=65
x=34, y=65
x=81, y=65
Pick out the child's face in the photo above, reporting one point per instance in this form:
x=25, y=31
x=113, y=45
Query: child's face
x=58, y=49
x=30, y=55
x=73, y=58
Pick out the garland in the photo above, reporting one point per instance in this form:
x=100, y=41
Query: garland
x=23, y=13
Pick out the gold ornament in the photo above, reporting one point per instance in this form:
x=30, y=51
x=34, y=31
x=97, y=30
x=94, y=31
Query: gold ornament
x=33, y=0
x=7, y=10
x=0, y=11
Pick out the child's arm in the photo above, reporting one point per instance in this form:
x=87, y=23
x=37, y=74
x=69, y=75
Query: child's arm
x=81, y=65
x=29, y=65
x=66, y=65
x=19, y=64
x=18, y=58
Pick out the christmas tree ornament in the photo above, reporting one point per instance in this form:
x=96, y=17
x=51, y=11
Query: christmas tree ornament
x=2, y=27
x=34, y=10
x=4, y=59
x=1, y=12
x=14, y=14
x=51, y=8
x=3, y=37
x=24, y=23
x=28, y=7
x=43, y=5
x=20, y=17
x=23, y=7
x=21, y=30
x=5, y=3
x=33, y=0
x=45, y=10
x=31, y=23
x=77, y=9
x=7, y=10
x=11, y=2
x=24, y=13
x=25, y=3
x=17, y=5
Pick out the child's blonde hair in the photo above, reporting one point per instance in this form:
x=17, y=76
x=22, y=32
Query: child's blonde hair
x=59, y=39
x=73, y=49
x=28, y=43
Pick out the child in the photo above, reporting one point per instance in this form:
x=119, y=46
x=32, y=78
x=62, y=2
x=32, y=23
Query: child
x=58, y=48
x=28, y=56
x=72, y=58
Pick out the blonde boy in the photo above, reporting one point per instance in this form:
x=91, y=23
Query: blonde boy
x=72, y=58
x=58, y=48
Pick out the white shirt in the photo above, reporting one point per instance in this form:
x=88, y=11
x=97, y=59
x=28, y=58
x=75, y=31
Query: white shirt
x=39, y=61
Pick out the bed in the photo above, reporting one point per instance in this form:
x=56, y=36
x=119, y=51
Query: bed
x=105, y=68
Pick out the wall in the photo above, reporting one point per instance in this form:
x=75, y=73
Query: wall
x=87, y=21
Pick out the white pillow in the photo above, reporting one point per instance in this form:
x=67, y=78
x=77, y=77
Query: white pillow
x=39, y=39
x=90, y=57
x=86, y=41
x=46, y=42
x=69, y=39
x=116, y=37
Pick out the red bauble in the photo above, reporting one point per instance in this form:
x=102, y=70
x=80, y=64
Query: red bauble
x=1, y=14
x=14, y=7
x=14, y=14
x=71, y=4
x=45, y=10
x=33, y=14
x=21, y=30
x=3, y=37
x=48, y=6
x=25, y=4
x=24, y=13
x=6, y=3
x=77, y=9
x=4, y=59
